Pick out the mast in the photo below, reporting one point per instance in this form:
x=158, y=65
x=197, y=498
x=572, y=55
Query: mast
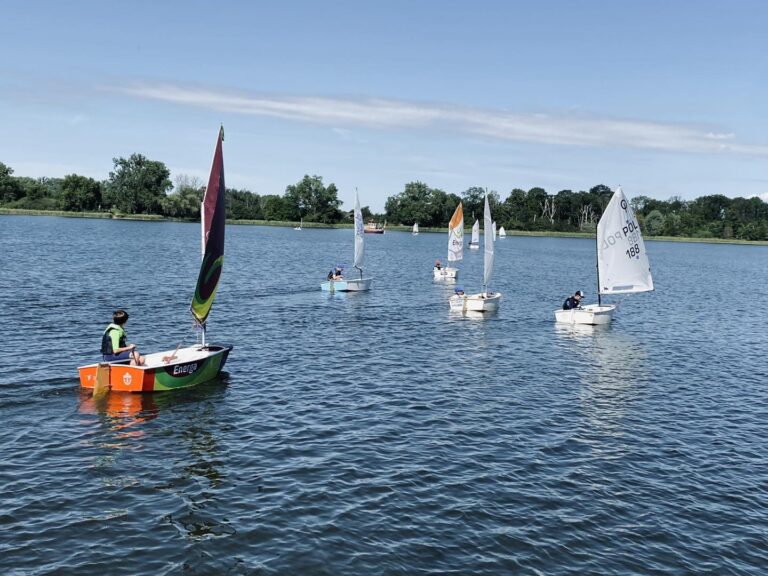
x=202, y=255
x=597, y=266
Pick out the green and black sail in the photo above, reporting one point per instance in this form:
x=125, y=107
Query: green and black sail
x=213, y=221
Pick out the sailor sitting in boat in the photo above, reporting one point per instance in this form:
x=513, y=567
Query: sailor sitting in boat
x=438, y=265
x=335, y=274
x=114, y=347
x=459, y=291
x=573, y=302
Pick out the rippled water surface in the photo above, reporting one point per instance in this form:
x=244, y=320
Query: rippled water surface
x=377, y=433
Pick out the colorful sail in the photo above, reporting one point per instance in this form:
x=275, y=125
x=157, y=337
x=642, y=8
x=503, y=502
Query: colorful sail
x=359, y=234
x=213, y=221
x=456, y=235
x=621, y=257
x=489, y=233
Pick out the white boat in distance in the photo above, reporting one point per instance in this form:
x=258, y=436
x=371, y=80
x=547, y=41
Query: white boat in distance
x=502, y=232
x=485, y=301
x=353, y=284
x=300, y=226
x=622, y=263
x=474, y=243
x=455, y=246
x=415, y=229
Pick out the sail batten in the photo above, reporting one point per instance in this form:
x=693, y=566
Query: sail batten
x=213, y=223
x=621, y=256
x=456, y=235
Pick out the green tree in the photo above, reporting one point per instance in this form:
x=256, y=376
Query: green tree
x=244, y=205
x=411, y=205
x=185, y=200
x=310, y=200
x=654, y=223
x=137, y=185
x=473, y=199
x=518, y=216
x=10, y=189
x=274, y=207
x=80, y=193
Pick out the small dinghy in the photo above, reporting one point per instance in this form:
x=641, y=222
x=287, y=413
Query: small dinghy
x=455, y=246
x=190, y=365
x=622, y=263
x=474, y=243
x=352, y=284
x=485, y=301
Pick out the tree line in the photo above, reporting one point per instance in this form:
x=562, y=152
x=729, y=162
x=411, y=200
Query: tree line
x=137, y=185
x=713, y=216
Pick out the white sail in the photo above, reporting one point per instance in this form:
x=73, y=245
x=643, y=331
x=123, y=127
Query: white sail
x=456, y=235
x=489, y=233
x=621, y=257
x=476, y=232
x=359, y=234
x=502, y=232
x=415, y=227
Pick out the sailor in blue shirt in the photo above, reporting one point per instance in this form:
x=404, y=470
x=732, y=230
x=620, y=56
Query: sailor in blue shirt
x=573, y=301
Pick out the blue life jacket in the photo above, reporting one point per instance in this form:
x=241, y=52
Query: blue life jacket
x=106, y=340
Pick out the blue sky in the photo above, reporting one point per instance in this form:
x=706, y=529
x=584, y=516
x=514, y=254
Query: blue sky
x=664, y=98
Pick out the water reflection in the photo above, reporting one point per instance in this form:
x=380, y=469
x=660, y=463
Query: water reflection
x=610, y=365
x=121, y=412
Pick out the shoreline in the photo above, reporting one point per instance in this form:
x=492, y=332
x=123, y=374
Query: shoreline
x=396, y=228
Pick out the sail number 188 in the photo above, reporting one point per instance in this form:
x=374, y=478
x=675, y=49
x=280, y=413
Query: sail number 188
x=633, y=251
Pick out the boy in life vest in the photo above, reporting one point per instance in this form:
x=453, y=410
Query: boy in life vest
x=113, y=342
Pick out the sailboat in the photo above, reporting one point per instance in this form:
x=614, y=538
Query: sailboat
x=190, y=365
x=415, y=229
x=485, y=301
x=622, y=262
x=502, y=232
x=353, y=284
x=474, y=243
x=455, y=246
x=300, y=226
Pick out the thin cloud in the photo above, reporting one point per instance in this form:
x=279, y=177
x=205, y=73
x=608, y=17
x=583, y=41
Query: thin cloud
x=562, y=129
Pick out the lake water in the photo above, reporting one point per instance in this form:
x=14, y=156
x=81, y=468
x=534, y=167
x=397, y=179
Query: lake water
x=377, y=433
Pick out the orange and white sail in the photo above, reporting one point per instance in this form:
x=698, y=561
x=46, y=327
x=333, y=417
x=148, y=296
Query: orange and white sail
x=456, y=235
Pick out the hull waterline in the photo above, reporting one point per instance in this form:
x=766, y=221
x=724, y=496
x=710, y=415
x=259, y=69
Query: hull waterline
x=482, y=302
x=191, y=366
x=358, y=285
x=591, y=314
x=445, y=273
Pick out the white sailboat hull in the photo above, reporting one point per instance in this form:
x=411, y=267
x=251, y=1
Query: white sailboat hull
x=474, y=246
x=356, y=285
x=590, y=314
x=482, y=302
x=445, y=273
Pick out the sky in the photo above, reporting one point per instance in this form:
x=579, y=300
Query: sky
x=665, y=98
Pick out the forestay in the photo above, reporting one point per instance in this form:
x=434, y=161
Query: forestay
x=622, y=260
